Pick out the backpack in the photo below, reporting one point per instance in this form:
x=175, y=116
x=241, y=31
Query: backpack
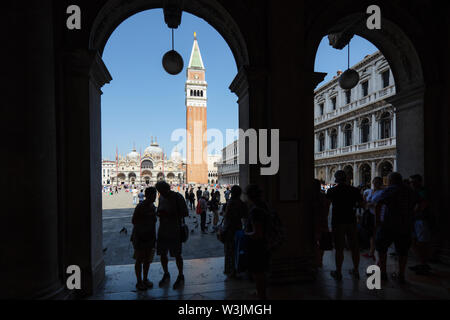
x=198, y=210
x=275, y=232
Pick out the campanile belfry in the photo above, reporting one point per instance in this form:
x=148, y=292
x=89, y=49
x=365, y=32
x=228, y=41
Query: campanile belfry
x=195, y=88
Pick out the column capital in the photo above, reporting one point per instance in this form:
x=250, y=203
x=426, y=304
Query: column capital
x=88, y=63
x=245, y=76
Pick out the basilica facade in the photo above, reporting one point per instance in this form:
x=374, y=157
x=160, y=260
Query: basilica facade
x=147, y=168
x=355, y=129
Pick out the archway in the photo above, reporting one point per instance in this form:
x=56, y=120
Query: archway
x=384, y=168
x=407, y=70
x=365, y=175
x=348, y=169
x=87, y=62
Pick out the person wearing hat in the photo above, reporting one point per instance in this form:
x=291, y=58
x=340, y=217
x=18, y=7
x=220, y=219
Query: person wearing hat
x=344, y=199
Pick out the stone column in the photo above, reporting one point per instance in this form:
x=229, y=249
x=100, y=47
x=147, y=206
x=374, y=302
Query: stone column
x=373, y=170
x=327, y=174
x=355, y=132
x=374, y=128
x=410, y=131
x=339, y=137
x=30, y=260
x=84, y=75
x=355, y=174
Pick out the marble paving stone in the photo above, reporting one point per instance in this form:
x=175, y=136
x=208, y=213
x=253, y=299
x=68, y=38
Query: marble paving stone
x=205, y=281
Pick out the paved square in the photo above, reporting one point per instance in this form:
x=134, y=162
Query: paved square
x=118, y=250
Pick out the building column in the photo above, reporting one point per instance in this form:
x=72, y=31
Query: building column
x=395, y=165
x=355, y=175
x=355, y=133
x=84, y=75
x=327, y=175
x=373, y=172
x=374, y=128
x=339, y=137
x=410, y=131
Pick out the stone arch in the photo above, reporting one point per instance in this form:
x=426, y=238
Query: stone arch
x=114, y=12
x=365, y=174
x=407, y=67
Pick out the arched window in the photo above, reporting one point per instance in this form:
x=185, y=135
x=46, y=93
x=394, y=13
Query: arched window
x=385, y=126
x=321, y=141
x=348, y=132
x=333, y=139
x=201, y=93
x=365, y=130
x=191, y=93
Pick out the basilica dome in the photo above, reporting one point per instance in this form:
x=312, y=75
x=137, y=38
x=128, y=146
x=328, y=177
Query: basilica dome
x=133, y=155
x=154, y=150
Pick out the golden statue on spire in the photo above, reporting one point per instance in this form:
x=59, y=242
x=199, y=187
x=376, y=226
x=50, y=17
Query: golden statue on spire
x=195, y=35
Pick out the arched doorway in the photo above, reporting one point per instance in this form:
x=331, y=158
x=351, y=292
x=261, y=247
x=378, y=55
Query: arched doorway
x=348, y=169
x=384, y=169
x=365, y=175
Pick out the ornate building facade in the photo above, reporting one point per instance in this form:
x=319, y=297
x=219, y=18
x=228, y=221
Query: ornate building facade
x=355, y=129
x=147, y=168
x=228, y=168
x=195, y=89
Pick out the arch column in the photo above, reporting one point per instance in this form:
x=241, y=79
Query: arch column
x=410, y=131
x=84, y=75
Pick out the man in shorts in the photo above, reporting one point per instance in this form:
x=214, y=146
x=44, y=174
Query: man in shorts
x=344, y=199
x=396, y=225
x=171, y=211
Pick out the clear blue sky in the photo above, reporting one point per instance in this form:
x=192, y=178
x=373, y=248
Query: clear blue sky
x=330, y=60
x=143, y=100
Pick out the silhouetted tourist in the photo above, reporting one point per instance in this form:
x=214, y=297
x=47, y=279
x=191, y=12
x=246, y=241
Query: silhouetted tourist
x=322, y=236
x=116, y=189
x=186, y=196
x=199, y=194
x=258, y=252
x=396, y=225
x=422, y=226
x=227, y=194
x=215, y=202
x=171, y=211
x=144, y=237
x=344, y=199
x=201, y=208
x=206, y=194
x=235, y=211
x=192, y=199
x=141, y=196
x=135, y=194
x=369, y=218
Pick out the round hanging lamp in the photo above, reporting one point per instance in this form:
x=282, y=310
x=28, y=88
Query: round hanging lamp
x=349, y=78
x=172, y=61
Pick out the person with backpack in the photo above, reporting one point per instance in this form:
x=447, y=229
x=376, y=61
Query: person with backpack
x=143, y=238
x=201, y=210
x=396, y=224
x=256, y=230
x=235, y=211
x=199, y=194
x=422, y=226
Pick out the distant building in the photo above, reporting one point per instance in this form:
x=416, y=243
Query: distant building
x=147, y=168
x=228, y=168
x=354, y=130
x=213, y=175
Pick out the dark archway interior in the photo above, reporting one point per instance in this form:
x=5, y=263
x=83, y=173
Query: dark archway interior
x=58, y=75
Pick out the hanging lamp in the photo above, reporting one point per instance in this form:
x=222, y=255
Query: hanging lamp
x=172, y=61
x=349, y=78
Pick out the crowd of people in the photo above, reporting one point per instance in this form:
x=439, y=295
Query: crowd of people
x=380, y=216
x=398, y=214
x=243, y=231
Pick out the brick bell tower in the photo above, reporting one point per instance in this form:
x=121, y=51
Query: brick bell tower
x=195, y=89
